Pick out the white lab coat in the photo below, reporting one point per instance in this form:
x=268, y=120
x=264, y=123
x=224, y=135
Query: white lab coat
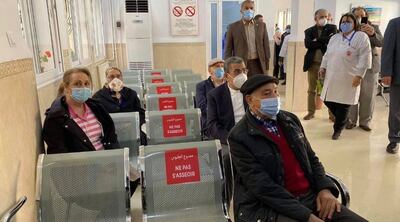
x=284, y=52
x=343, y=60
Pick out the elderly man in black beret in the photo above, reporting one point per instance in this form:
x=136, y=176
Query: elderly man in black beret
x=278, y=176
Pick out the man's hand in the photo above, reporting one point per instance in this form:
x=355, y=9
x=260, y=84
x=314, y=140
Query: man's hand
x=368, y=29
x=327, y=204
x=356, y=81
x=321, y=73
x=314, y=218
x=280, y=61
x=387, y=80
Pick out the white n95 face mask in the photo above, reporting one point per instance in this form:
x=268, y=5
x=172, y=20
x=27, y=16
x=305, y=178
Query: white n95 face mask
x=116, y=85
x=239, y=80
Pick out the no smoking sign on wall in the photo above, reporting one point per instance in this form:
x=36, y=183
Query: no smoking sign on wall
x=184, y=17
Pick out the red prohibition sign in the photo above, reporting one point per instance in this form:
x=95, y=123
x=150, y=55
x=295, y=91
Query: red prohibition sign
x=177, y=11
x=190, y=11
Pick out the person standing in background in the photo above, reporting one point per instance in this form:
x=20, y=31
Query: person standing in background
x=345, y=63
x=283, y=71
x=248, y=39
x=259, y=18
x=277, y=49
x=283, y=54
x=316, y=41
x=363, y=111
x=390, y=71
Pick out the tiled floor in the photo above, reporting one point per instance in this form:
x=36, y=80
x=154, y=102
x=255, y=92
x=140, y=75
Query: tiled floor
x=359, y=159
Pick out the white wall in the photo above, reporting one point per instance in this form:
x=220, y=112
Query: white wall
x=270, y=9
x=161, y=23
x=329, y=5
x=9, y=23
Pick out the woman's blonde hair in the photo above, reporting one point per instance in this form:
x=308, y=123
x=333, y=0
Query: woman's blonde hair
x=67, y=78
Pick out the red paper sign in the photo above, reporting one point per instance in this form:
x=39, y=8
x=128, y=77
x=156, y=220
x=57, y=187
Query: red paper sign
x=157, y=80
x=174, y=125
x=156, y=73
x=182, y=166
x=168, y=103
x=164, y=89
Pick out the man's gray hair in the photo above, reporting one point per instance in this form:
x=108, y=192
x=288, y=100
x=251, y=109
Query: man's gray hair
x=232, y=60
x=319, y=11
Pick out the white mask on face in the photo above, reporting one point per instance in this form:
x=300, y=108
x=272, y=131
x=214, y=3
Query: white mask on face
x=116, y=85
x=239, y=80
x=322, y=22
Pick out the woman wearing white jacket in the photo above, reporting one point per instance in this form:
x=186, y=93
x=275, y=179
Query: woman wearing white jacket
x=343, y=66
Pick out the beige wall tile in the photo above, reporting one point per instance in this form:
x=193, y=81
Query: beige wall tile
x=20, y=130
x=181, y=56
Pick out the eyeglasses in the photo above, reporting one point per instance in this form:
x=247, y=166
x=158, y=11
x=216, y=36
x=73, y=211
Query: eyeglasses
x=240, y=71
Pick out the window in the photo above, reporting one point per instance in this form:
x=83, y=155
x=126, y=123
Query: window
x=97, y=21
x=39, y=26
x=77, y=30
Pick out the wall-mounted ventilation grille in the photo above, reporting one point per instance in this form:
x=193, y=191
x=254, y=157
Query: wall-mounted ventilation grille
x=146, y=66
x=135, y=6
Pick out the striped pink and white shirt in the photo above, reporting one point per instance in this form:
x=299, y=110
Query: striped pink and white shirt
x=89, y=125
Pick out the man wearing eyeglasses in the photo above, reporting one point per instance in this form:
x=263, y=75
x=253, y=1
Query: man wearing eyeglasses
x=225, y=104
x=225, y=107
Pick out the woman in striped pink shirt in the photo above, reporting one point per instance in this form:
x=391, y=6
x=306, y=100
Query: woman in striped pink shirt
x=75, y=122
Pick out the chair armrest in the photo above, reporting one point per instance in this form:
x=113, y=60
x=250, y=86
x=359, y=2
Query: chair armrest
x=8, y=215
x=344, y=191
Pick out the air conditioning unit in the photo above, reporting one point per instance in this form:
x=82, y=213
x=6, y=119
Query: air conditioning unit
x=139, y=40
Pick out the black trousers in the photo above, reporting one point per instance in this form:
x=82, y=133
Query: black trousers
x=346, y=215
x=340, y=111
x=227, y=172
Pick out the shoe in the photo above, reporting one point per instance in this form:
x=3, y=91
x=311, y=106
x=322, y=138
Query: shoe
x=309, y=116
x=392, y=148
x=350, y=125
x=283, y=83
x=366, y=128
x=336, y=135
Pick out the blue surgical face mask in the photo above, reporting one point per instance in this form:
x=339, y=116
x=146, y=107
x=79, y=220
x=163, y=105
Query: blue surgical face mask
x=248, y=14
x=81, y=95
x=346, y=27
x=270, y=107
x=219, y=73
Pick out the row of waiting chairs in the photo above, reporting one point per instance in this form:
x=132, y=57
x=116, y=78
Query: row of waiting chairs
x=181, y=175
x=173, y=137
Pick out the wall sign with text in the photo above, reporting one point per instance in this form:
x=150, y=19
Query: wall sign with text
x=184, y=16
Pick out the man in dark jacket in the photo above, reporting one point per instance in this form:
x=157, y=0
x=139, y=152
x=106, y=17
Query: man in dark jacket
x=391, y=77
x=216, y=78
x=116, y=98
x=225, y=104
x=316, y=41
x=278, y=176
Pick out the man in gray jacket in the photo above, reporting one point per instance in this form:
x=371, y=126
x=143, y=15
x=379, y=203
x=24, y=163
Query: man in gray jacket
x=391, y=76
x=365, y=109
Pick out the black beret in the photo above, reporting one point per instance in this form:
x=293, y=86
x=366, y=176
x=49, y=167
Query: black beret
x=255, y=82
